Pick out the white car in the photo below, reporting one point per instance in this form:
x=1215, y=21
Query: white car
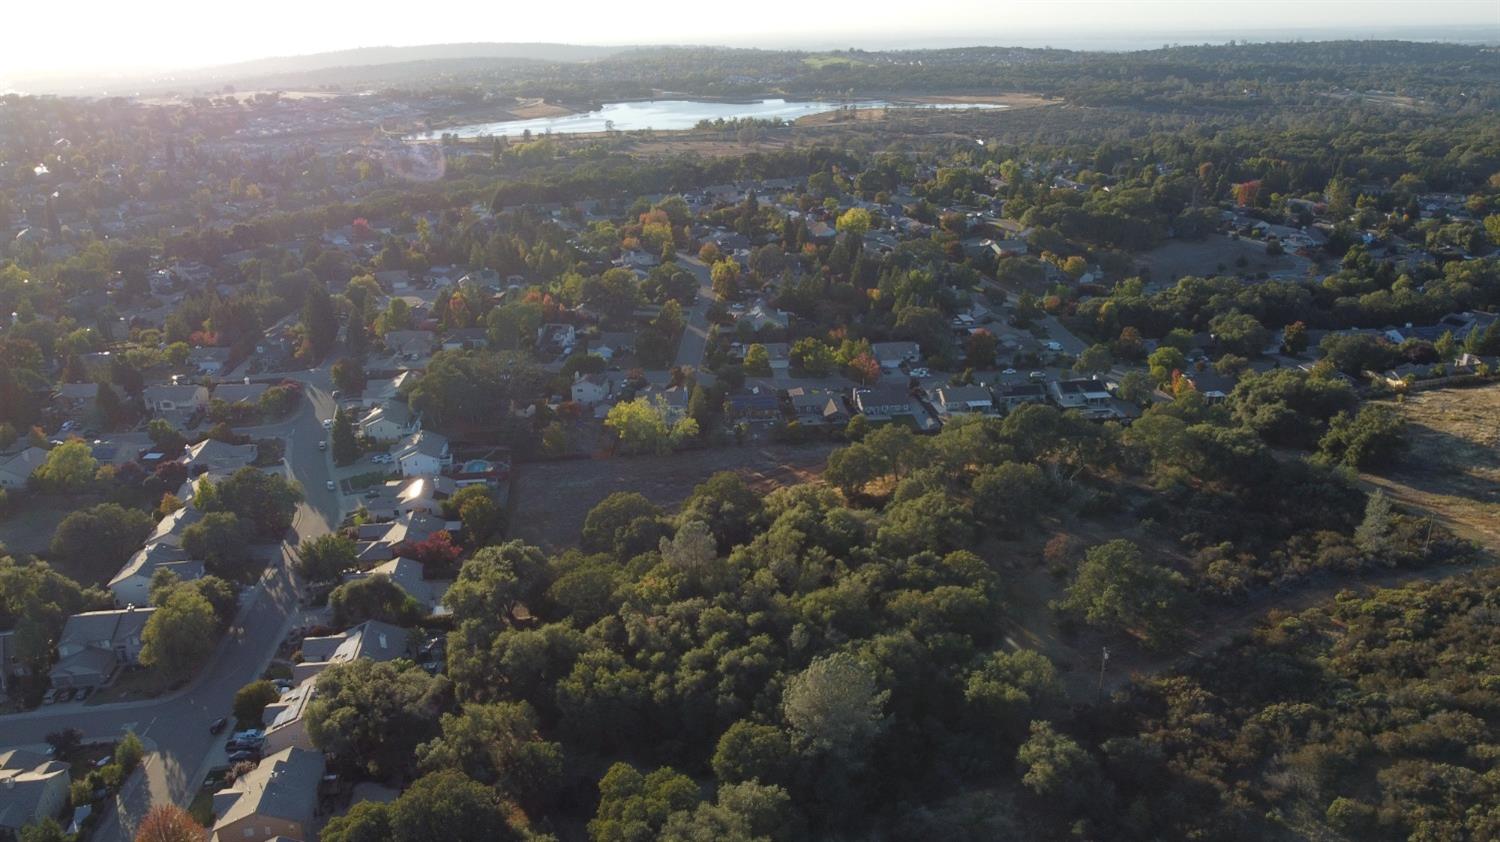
x=328, y=423
x=329, y=485
x=920, y=372
x=1010, y=371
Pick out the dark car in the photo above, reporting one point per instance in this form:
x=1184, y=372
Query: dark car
x=219, y=725
x=66, y=694
x=83, y=693
x=245, y=756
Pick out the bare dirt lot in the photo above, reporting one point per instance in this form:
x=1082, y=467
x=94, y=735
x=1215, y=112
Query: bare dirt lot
x=1205, y=257
x=1452, y=468
x=553, y=498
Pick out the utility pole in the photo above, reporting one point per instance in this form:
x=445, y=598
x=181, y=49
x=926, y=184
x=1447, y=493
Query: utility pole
x=1103, y=661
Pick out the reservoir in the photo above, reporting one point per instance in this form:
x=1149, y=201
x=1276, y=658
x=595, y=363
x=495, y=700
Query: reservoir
x=675, y=115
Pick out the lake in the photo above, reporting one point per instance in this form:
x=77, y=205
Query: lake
x=672, y=115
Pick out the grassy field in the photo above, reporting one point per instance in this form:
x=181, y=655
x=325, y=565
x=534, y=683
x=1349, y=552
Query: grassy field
x=28, y=523
x=1452, y=469
x=1204, y=258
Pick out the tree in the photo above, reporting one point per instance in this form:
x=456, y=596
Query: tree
x=1094, y=359
x=725, y=276
x=642, y=426
x=221, y=541
x=168, y=823
x=498, y=745
x=448, y=806
x=1239, y=333
x=345, y=445
x=834, y=705
x=325, y=558
x=634, y=807
x=1008, y=689
x=980, y=349
x=1116, y=588
x=757, y=361
x=166, y=437
x=605, y=522
x=1294, y=339
x=97, y=541
x=250, y=702
x=1008, y=496
x=481, y=516
x=1053, y=764
x=1372, y=437
x=1372, y=536
x=348, y=376
x=46, y=830
x=366, y=821
x=854, y=222
x=129, y=751
x=265, y=500
x=373, y=714
x=373, y=597
x=68, y=468
x=811, y=356
x=320, y=325
x=1164, y=362
x=750, y=751
x=179, y=635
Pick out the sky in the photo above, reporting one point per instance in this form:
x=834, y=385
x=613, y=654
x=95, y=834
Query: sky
x=113, y=36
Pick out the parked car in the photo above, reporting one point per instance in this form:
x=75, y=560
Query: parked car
x=218, y=725
x=250, y=734
x=83, y=693
x=328, y=423
x=245, y=757
x=1037, y=376
x=49, y=697
x=66, y=694
x=920, y=372
x=329, y=485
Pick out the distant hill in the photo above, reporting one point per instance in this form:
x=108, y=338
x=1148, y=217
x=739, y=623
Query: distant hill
x=362, y=65
x=365, y=56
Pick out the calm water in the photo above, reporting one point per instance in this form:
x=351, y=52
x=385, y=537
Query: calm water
x=669, y=115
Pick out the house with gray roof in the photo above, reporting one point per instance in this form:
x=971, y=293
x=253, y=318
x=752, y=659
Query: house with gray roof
x=276, y=799
x=95, y=644
x=371, y=640
x=16, y=470
x=212, y=455
x=33, y=787
x=132, y=585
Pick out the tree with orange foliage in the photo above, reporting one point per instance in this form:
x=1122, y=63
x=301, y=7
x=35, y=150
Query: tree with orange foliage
x=170, y=823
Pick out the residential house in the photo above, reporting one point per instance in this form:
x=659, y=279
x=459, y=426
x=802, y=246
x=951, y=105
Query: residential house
x=212, y=455
x=466, y=339
x=410, y=344
x=240, y=393
x=209, y=361
x=169, y=399
x=287, y=718
x=33, y=787
x=556, y=338
x=964, y=400
x=816, y=407
x=780, y=354
x=408, y=573
x=76, y=400
x=1088, y=395
x=895, y=354
x=613, y=345
x=169, y=529
x=16, y=470
x=95, y=644
x=371, y=640
x=591, y=389
x=1213, y=386
x=1008, y=396
x=132, y=585
x=761, y=404
x=423, y=453
x=384, y=541
x=884, y=401
x=763, y=315
x=278, y=799
x=390, y=421
x=675, y=399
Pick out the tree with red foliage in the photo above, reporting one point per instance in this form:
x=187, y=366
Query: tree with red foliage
x=438, y=552
x=865, y=368
x=1246, y=192
x=361, y=228
x=169, y=823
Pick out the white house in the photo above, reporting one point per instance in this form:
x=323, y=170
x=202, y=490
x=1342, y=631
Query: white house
x=390, y=421
x=964, y=400
x=590, y=389
x=423, y=453
x=170, y=398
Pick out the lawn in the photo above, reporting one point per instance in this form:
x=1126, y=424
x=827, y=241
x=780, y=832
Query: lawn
x=133, y=685
x=29, y=520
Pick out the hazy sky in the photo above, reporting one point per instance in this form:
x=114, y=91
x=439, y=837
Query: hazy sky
x=160, y=34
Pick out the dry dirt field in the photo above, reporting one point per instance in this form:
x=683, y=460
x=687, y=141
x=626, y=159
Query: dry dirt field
x=1452, y=469
x=1203, y=258
x=551, y=499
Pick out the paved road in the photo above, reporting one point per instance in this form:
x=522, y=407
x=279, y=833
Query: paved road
x=695, y=335
x=175, y=728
